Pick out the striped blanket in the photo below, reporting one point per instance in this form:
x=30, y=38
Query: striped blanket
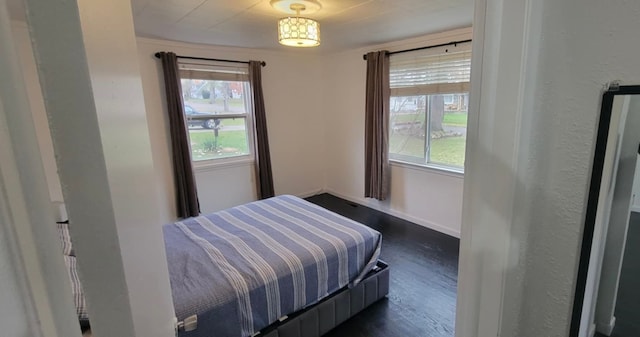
x=243, y=268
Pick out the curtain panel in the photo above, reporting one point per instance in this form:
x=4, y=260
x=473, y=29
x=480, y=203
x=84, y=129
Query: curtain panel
x=377, y=169
x=264, y=175
x=185, y=183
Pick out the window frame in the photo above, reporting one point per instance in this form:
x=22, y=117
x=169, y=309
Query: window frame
x=248, y=116
x=397, y=159
x=436, y=169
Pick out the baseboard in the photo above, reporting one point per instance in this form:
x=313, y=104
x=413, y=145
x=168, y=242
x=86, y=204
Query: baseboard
x=592, y=330
x=635, y=208
x=606, y=328
x=310, y=193
x=401, y=215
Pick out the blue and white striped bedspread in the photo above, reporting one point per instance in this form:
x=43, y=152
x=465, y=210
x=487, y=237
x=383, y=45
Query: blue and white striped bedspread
x=243, y=268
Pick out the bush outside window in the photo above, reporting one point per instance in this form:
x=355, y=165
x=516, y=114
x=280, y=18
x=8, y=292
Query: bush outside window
x=218, y=111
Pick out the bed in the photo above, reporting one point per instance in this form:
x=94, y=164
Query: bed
x=278, y=267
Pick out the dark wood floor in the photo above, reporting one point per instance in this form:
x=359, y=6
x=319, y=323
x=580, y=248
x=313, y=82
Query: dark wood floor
x=627, y=311
x=424, y=274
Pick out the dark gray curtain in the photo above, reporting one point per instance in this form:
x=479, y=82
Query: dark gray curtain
x=377, y=170
x=186, y=192
x=264, y=175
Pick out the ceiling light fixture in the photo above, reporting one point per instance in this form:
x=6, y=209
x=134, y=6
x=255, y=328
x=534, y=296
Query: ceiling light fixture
x=298, y=31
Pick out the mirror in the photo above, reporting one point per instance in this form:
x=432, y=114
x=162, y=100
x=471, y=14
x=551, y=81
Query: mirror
x=607, y=299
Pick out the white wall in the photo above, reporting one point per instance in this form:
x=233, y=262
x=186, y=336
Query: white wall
x=225, y=186
x=427, y=197
x=36, y=293
x=29, y=71
x=315, y=116
x=305, y=158
x=557, y=55
x=90, y=78
x=599, y=57
x=583, y=45
x=291, y=84
x=13, y=314
x=579, y=46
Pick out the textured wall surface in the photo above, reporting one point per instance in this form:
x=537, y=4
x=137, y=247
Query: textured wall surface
x=538, y=74
x=583, y=45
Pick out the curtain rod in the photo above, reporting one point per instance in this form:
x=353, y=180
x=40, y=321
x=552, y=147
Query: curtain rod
x=364, y=57
x=263, y=63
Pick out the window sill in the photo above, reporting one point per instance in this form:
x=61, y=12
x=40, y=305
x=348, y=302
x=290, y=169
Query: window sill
x=215, y=164
x=443, y=170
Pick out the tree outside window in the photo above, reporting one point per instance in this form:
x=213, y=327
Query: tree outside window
x=217, y=110
x=429, y=107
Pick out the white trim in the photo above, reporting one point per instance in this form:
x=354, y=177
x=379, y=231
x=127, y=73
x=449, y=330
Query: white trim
x=424, y=223
x=208, y=164
x=204, y=50
x=606, y=328
x=310, y=193
x=592, y=330
x=468, y=297
x=443, y=170
x=8, y=230
x=635, y=208
x=216, y=164
x=209, y=50
x=216, y=115
x=26, y=216
x=119, y=174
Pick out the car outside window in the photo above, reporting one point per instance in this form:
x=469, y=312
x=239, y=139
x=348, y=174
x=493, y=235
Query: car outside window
x=217, y=111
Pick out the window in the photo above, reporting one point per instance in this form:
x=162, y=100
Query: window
x=428, y=106
x=217, y=108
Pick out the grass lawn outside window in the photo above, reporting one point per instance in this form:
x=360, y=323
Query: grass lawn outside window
x=204, y=145
x=446, y=148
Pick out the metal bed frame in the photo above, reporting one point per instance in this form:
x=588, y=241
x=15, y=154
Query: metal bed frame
x=320, y=318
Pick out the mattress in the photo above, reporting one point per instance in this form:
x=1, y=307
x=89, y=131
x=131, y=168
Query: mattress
x=244, y=268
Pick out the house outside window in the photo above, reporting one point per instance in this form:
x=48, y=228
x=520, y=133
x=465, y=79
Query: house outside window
x=429, y=105
x=218, y=112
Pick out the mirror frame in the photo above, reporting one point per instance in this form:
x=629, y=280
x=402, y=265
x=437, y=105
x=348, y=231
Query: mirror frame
x=592, y=203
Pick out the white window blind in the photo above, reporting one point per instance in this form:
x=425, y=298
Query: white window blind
x=442, y=70
x=214, y=72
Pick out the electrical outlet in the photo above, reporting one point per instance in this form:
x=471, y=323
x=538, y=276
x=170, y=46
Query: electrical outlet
x=175, y=325
x=191, y=323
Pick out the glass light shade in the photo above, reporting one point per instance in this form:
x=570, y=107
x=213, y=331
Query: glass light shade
x=298, y=32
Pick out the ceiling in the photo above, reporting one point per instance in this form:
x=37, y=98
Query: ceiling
x=252, y=23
